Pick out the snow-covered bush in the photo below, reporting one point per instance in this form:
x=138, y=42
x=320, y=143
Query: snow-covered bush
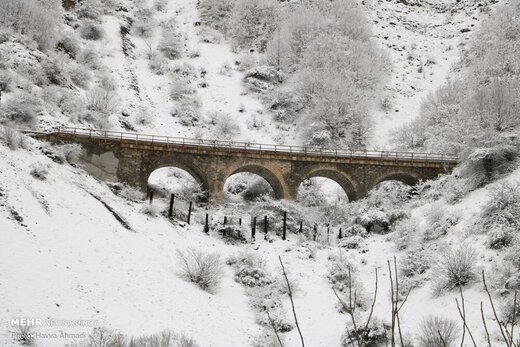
x=455, y=268
x=91, y=31
x=253, y=22
x=180, y=88
x=22, y=109
x=25, y=336
x=342, y=276
x=55, y=69
x=144, y=28
x=502, y=210
x=416, y=261
x=160, y=5
x=69, y=45
x=171, y=45
x=374, y=335
x=250, y=270
x=436, y=331
x=89, y=57
x=500, y=238
x=216, y=13
x=405, y=232
x=127, y=192
x=12, y=138
x=201, y=268
x=90, y=9
x=439, y=221
x=69, y=152
x=232, y=233
x=286, y=104
x=39, y=171
x=103, y=336
x=6, y=79
x=158, y=65
x=488, y=163
x=209, y=35
x=79, y=75
x=184, y=70
x=150, y=210
x=310, y=194
x=373, y=220
x=226, y=128
x=351, y=242
x=187, y=110
x=513, y=254
x=37, y=19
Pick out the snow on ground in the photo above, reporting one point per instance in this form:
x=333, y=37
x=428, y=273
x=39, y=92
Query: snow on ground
x=64, y=256
x=423, y=40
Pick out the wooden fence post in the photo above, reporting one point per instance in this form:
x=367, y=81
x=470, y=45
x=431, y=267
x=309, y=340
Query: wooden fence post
x=225, y=220
x=301, y=227
x=240, y=221
x=189, y=212
x=265, y=227
x=206, y=224
x=315, y=232
x=284, y=225
x=151, y=196
x=253, y=229
x=172, y=200
x=340, y=235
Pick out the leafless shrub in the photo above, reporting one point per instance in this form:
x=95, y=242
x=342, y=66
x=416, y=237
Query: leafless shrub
x=435, y=332
x=25, y=336
x=104, y=337
x=455, y=268
x=203, y=269
x=102, y=100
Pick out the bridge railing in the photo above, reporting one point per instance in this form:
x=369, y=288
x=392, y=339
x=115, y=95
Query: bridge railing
x=251, y=146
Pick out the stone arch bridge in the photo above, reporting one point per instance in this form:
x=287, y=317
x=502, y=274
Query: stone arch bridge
x=131, y=158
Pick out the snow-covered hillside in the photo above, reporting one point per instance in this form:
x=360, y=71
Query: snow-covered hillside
x=424, y=39
x=76, y=248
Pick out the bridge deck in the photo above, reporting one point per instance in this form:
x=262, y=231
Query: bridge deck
x=158, y=142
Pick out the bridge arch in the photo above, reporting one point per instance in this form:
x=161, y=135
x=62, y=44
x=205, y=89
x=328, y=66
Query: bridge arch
x=403, y=177
x=344, y=181
x=192, y=170
x=274, y=181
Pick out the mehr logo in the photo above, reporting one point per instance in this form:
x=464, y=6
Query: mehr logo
x=27, y=322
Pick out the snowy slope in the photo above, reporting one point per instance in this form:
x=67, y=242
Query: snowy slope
x=423, y=39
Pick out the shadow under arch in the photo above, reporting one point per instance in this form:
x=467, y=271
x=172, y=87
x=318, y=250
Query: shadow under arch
x=402, y=177
x=266, y=174
x=344, y=181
